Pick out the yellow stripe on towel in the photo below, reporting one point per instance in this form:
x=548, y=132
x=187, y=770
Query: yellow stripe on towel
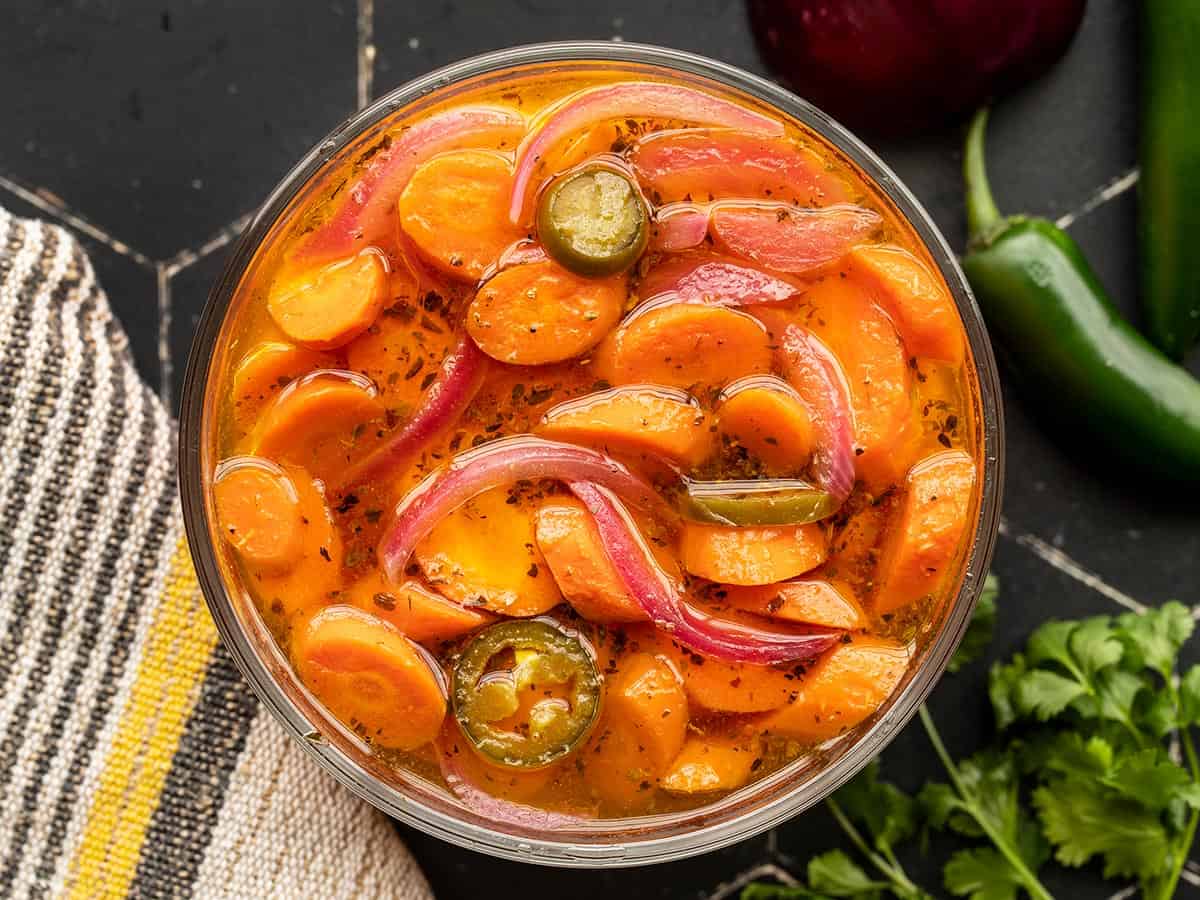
x=176, y=652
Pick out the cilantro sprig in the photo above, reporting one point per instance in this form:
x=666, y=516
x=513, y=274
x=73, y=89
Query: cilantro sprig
x=1081, y=770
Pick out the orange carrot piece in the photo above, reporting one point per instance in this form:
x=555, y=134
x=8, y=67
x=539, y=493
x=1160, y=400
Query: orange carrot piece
x=684, y=345
x=518, y=785
x=266, y=370
x=399, y=352
x=720, y=686
x=805, y=601
x=568, y=539
x=417, y=612
x=258, y=514
x=330, y=306
x=842, y=689
x=455, y=209
x=710, y=764
x=541, y=313
x=316, y=573
x=770, y=422
x=298, y=426
x=484, y=555
x=915, y=298
x=619, y=772
x=751, y=555
x=371, y=677
x=636, y=420
x=925, y=538
x=647, y=694
x=865, y=342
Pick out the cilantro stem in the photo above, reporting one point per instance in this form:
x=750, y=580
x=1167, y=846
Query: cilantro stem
x=1028, y=879
x=894, y=873
x=1180, y=855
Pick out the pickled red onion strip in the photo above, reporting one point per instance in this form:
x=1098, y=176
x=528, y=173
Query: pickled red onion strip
x=717, y=281
x=653, y=591
x=491, y=465
x=678, y=226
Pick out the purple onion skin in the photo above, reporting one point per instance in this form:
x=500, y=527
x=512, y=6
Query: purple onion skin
x=896, y=67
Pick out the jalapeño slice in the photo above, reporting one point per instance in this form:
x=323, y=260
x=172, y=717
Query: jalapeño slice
x=593, y=221
x=769, y=502
x=526, y=693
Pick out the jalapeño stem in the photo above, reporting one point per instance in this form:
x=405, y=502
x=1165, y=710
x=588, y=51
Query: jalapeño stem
x=982, y=213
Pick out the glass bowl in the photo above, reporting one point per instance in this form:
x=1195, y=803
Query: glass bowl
x=422, y=804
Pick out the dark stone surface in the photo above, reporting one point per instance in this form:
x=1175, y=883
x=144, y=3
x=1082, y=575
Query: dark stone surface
x=161, y=122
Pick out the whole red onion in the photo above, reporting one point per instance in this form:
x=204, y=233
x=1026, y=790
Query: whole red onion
x=896, y=66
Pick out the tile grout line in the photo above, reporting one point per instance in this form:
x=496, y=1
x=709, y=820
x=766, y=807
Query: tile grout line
x=189, y=256
x=165, y=364
x=51, y=203
x=366, y=51
x=763, y=870
x=1110, y=191
x=1124, y=892
x=1065, y=564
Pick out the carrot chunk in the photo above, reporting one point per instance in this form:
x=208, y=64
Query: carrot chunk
x=647, y=694
x=710, y=764
x=568, y=539
x=518, y=785
x=865, y=342
x=915, y=298
x=637, y=420
x=806, y=601
x=416, y=612
x=371, y=677
x=685, y=346
x=844, y=687
x=720, y=686
x=258, y=511
x=266, y=370
x=455, y=210
x=928, y=530
x=329, y=306
x=619, y=772
x=767, y=418
x=751, y=555
x=313, y=421
x=733, y=164
x=484, y=554
x=540, y=313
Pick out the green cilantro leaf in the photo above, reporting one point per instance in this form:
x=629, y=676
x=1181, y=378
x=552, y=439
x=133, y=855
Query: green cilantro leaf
x=888, y=814
x=980, y=874
x=836, y=874
x=1189, y=697
x=1083, y=822
x=1153, y=638
x=1002, y=687
x=762, y=891
x=980, y=630
x=1044, y=694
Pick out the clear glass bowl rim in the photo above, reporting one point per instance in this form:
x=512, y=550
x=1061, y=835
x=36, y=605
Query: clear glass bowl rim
x=546, y=850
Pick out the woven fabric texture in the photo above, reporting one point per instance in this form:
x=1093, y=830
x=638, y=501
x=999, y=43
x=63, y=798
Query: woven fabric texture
x=134, y=761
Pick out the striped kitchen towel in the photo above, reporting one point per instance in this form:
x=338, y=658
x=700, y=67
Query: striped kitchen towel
x=134, y=761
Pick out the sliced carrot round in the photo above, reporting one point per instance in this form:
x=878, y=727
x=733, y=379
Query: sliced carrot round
x=684, y=345
x=708, y=764
x=328, y=404
x=765, y=415
x=842, y=689
x=455, y=209
x=647, y=694
x=805, y=601
x=371, y=677
x=638, y=419
x=484, y=555
x=926, y=536
x=916, y=299
x=416, y=611
x=569, y=542
x=751, y=555
x=258, y=513
x=879, y=377
x=720, y=686
x=326, y=307
x=265, y=371
x=540, y=313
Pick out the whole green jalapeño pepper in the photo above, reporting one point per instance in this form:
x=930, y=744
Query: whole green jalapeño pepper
x=537, y=659
x=1068, y=344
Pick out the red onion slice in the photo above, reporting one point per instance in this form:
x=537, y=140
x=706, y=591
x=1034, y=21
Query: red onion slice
x=787, y=238
x=491, y=465
x=678, y=226
x=497, y=809
x=368, y=214
x=627, y=100
x=815, y=373
x=445, y=401
x=716, y=281
x=654, y=592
